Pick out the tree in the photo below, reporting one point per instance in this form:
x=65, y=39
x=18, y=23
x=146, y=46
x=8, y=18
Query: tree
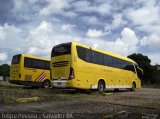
x=156, y=75
x=4, y=70
x=145, y=63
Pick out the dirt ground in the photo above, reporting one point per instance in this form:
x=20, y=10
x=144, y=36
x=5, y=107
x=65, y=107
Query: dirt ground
x=143, y=103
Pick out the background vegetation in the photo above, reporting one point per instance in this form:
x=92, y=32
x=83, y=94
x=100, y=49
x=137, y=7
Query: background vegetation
x=4, y=71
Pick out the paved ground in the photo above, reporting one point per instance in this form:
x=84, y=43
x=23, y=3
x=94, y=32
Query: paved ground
x=144, y=102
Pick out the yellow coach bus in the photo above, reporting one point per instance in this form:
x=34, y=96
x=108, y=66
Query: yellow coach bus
x=74, y=65
x=30, y=71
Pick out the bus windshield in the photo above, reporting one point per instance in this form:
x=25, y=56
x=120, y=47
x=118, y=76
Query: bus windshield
x=16, y=59
x=61, y=49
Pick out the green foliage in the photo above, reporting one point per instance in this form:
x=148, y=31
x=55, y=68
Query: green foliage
x=4, y=70
x=151, y=74
x=156, y=77
x=8, y=100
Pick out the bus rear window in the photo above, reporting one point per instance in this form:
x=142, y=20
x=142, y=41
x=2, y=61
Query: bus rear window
x=61, y=49
x=36, y=63
x=16, y=59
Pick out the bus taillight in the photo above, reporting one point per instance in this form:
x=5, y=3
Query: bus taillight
x=71, y=75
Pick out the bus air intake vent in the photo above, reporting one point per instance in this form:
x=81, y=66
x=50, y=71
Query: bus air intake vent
x=60, y=64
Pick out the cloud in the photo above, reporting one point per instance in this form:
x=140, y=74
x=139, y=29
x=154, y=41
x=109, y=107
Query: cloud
x=126, y=44
x=86, y=7
x=95, y=33
x=54, y=6
x=145, y=15
x=154, y=57
x=152, y=41
x=32, y=1
x=38, y=51
x=39, y=39
x=91, y=20
x=3, y=56
x=104, y=9
x=123, y=27
x=130, y=39
x=117, y=22
x=2, y=33
x=70, y=14
x=18, y=5
x=11, y=42
x=42, y=38
x=4, y=29
x=9, y=33
x=66, y=27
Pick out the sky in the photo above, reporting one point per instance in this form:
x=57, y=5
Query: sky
x=119, y=26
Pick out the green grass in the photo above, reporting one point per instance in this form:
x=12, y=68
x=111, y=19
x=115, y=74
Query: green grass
x=8, y=100
x=10, y=94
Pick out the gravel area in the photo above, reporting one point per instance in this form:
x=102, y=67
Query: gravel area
x=93, y=105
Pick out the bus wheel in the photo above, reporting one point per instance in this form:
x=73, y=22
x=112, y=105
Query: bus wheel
x=101, y=86
x=133, y=86
x=46, y=84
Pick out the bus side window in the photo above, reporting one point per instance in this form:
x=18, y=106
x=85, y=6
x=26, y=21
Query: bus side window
x=84, y=54
x=97, y=57
x=27, y=62
x=81, y=53
x=88, y=55
x=108, y=61
x=47, y=65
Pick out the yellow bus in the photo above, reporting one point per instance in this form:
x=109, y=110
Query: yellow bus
x=74, y=65
x=30, y=70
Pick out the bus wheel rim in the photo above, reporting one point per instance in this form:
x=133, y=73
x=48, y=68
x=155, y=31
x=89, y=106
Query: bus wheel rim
x=46, y=84
x=101, y=87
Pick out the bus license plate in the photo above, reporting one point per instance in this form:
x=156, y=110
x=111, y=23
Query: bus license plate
x=59, y=83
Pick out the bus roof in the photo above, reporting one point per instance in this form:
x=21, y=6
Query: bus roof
x=106, y=52
x=35, y=57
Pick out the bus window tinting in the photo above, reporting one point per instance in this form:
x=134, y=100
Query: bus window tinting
x=16, y=59
x=61, y=49
x=97, y=58
x=35, y=63
x=84, y=54
x=103, y=59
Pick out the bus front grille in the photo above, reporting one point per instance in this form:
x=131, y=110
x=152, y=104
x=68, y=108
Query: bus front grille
x=60, y=64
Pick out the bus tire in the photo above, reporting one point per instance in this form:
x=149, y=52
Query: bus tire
x=46, y=84
x=133, y=86
x=101, y=85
